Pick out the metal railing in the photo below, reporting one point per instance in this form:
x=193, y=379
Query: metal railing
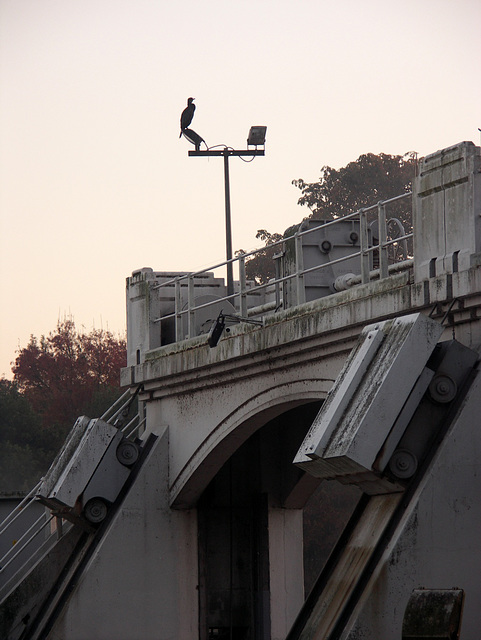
x=21, y=537
x=21, y=551
x=239, y=298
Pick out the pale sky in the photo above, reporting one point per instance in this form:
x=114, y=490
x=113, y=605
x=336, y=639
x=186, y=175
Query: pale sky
x=94, y=181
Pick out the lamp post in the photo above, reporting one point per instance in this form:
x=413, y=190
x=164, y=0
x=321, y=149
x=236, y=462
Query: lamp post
x=257, y=136
x=228, y=226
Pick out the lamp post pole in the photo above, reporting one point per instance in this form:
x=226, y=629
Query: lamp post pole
x=228, y=227
x=226, y=153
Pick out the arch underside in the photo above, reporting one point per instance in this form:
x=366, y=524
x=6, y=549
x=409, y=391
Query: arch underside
x=228, y=436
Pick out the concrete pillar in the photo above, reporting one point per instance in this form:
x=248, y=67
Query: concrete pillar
x=142, y=307
x=447, y=211
x=286, y=569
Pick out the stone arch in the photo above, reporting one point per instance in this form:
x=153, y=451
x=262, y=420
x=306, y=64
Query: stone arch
x=226, y=437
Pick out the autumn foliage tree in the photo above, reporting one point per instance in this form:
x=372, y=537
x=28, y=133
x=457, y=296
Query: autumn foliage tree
x=67, y=372
x=56, y=378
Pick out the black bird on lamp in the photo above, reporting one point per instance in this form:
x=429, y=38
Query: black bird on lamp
x=185, y=120
x=187, y=115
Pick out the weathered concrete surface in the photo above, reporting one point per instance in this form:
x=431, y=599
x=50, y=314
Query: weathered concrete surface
x=142, y=580
x=285, y=530
x=437, y=544
x=24, y=602
x=447, y=208
x=207, y=394
x=352, y=562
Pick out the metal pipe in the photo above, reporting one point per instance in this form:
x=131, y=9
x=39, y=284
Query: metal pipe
x=136, y=428
x=103, y=417
x=20, y=549
x=263, y=308
x=19, y=509
x=130, y=423
x=119, y=411
x=354, y=280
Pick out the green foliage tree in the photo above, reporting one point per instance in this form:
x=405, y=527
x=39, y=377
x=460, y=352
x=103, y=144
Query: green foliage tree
x=56, y=378
x=361, y=183
x=260, y=267
x=25, y=449
x=339, y=192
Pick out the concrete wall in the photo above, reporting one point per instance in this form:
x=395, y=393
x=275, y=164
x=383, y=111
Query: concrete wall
x=205, y=394
x=142, y=580
x=286, y=572
x=147, y=301
x=437, y=544
x=446, y=209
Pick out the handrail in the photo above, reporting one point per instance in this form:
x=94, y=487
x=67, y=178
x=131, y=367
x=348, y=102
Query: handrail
x=187, y=279
x=279, y=242
x=19, y=509
x=36, y=527
x=119, y=399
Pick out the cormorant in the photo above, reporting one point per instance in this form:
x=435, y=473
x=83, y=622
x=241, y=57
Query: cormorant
x=187, y=115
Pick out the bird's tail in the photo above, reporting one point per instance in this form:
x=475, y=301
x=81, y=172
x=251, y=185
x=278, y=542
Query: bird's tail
x=194, y=137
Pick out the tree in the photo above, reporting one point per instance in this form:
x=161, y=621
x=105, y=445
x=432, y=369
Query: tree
x=339, y=192
x=64, y=374
x=56, y=378
x=25, y=449
x=260, y=268
x=361, y=183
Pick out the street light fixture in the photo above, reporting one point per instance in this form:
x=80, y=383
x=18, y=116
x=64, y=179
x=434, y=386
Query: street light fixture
x=257, y=137
x=218, y=327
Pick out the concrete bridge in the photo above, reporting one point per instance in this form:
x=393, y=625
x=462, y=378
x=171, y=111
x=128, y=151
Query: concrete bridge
x=215, y=537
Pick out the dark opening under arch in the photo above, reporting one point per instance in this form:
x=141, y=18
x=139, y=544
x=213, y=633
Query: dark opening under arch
x=233, y=526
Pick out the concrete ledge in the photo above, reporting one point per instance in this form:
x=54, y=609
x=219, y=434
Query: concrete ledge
x=291, y=336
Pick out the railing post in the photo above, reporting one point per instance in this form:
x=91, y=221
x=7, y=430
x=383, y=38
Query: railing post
x=364, y=247
x=277, y=265
x=243, y=287
x=382, y=226
x=190, y=307
x=300, y=289
x=178, y=309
